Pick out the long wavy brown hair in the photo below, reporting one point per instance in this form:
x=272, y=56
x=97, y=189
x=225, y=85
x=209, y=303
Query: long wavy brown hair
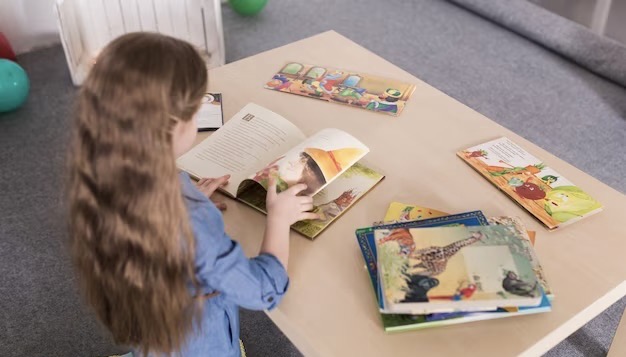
x=131, y=239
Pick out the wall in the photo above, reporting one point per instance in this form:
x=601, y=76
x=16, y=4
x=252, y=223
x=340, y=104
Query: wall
x=580, y=11
x=28, y=24
x=604, y=17
x=616, y=26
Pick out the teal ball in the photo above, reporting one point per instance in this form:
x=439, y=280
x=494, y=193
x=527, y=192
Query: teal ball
x=247, y=7
x=14, y=86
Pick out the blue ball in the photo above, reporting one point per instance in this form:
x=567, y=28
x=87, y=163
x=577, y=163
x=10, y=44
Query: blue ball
x=14, y=85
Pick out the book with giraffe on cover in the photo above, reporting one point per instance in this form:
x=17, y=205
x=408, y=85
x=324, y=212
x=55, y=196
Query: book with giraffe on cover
x=258, y=143
x=397, y=213
x=447, y=269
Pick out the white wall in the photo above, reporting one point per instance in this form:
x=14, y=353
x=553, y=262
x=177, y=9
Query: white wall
x=28, y=24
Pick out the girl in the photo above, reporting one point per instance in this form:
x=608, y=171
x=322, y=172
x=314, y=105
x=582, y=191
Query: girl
x=148, y=244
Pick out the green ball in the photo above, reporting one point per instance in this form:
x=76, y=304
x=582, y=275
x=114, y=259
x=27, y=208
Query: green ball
x=247, y=7
x=14, y=85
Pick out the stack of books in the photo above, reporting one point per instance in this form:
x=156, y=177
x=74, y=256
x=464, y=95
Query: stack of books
x=429, y=268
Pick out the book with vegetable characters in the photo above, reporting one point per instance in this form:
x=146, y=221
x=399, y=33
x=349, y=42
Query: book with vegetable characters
x=548, y=195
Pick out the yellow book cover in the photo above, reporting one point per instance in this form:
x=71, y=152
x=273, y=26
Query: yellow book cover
x=400, y=212
x=550, y=197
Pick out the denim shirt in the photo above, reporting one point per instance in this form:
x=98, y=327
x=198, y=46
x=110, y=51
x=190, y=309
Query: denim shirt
x=221, y=266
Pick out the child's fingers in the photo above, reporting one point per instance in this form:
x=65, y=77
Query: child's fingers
x=306, y=207
x=217, y=183
x=202, y=181
x=308, y=215
x=271, y=186
x=295, y=189
x=305, y=199
x=224, y=182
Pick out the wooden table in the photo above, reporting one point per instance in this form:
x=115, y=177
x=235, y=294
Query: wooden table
x=330, y=309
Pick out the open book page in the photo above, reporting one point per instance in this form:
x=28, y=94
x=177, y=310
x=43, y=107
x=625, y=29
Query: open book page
x=315, y=162
x=337, y=197
x=244, y=145
x=330, y=203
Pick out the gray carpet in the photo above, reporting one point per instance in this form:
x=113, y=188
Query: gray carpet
x=42, y=314
x=598, y=54
x=544, y=97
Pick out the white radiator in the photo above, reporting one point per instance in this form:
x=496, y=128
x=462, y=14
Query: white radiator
x=86, y=26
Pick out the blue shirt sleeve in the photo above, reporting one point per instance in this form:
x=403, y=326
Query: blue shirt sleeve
x=257, y=284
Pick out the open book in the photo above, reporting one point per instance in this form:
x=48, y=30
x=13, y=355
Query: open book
x=257, y=142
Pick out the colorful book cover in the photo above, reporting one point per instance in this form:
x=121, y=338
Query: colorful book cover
x=516, y=225
x=405, y=322
x=545, y=193
x=448, y=269
x=367, y=243
x=400, y=212
x=342, y=86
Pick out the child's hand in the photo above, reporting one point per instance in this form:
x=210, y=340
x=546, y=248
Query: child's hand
x=287, y=207
x=208, y=186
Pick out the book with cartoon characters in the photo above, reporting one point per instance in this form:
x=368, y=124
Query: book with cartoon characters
x=353, y=88
x=257, y=143
x=449, y=269
x=550, y=197
x=367, y=242
x=406, y=322
x=401, y=212
x=527, y=238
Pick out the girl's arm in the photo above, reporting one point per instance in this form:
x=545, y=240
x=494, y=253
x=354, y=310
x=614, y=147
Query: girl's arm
x=283, y=210
x=221, y=266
